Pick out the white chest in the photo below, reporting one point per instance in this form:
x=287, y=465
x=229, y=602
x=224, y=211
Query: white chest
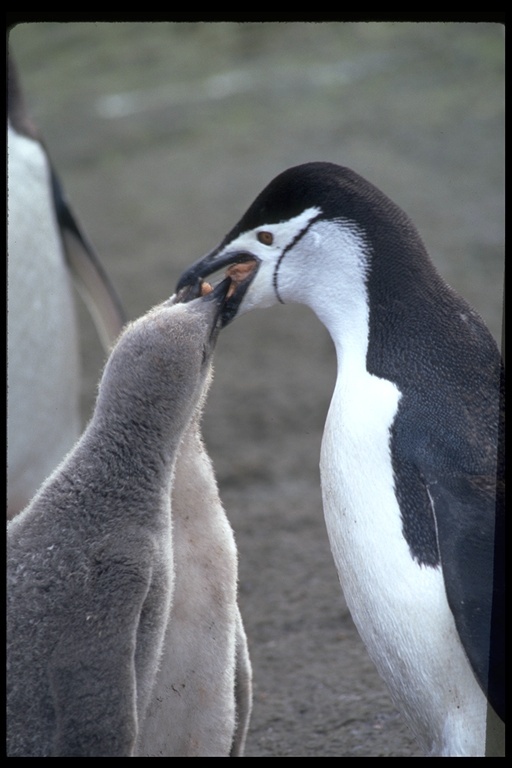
x=399, y=607
x=361, y=512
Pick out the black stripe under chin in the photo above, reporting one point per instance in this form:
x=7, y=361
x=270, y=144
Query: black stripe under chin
x=290, y=245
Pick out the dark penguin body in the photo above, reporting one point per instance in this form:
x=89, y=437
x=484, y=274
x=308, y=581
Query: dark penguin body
x=124, y=636
x=411, y=464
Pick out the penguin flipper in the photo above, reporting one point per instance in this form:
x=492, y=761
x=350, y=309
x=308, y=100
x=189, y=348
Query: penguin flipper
x=469, y=514
x=89, y=276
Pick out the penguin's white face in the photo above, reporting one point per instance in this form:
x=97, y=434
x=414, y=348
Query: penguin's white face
x=298, y=261
x=271, y=245
x=322, y=265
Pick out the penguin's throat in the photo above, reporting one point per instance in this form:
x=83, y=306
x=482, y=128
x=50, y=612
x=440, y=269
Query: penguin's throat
x=239, y=273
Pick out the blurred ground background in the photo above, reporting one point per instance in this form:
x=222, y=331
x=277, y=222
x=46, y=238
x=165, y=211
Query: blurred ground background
x=163, y=134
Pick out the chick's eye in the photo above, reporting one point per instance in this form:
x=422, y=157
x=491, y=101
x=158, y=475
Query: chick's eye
x=267, y=238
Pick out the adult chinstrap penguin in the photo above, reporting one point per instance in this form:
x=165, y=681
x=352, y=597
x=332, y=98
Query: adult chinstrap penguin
x=411, y=461
x=124, y=636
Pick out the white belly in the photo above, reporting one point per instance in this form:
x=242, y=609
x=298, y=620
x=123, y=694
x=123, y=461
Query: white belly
x=43, y=372
x=399, y=607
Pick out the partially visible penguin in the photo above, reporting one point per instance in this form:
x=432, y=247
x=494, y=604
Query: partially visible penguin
x=124, y=636
x=46, y=250
x=192, y=710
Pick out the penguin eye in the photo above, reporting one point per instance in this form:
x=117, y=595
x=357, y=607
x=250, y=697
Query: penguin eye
x=267, y=238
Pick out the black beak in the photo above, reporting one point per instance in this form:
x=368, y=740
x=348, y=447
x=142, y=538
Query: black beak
x=194, y=290
x=192, y=279
x=217, y=296
x=209, y=264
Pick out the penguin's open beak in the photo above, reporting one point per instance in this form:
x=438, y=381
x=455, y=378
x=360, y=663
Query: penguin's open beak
x=203, y=291
x=241, y=268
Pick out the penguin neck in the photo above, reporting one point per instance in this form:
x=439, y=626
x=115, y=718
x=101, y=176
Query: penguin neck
x=388, y=270
x=341, y=305
x=349, y=335
x=137, y=421
x=149, y=435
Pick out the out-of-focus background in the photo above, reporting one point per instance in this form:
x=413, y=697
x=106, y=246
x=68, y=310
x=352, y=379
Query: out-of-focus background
x=163, y=133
